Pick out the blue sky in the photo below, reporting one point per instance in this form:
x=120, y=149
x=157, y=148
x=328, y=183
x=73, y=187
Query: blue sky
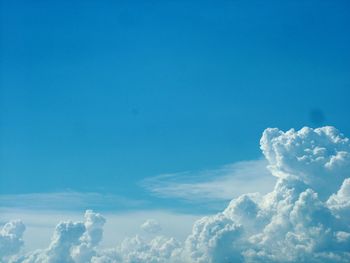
x=98, y=96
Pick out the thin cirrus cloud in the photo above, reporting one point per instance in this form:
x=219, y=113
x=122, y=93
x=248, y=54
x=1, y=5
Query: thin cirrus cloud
x=220, y=184
x=69, y=200
x=300, y=220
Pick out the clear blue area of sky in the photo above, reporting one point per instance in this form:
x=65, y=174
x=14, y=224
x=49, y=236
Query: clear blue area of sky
x=97, y=95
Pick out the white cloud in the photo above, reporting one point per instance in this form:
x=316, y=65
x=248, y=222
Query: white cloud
x=220, y=184
x=339, y=203
x=290, y=224
x=11, y=238
x=90, y=239
x=319, y=157
x=41, y=223
x=298, y=221
x=151, y=226
x=136, y=249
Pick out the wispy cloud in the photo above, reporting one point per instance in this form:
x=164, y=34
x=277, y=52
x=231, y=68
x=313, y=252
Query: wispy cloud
x=220, y=184
x=69, y=200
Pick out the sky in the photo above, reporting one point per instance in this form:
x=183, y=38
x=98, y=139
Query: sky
x=129, y=106
x=305, y=218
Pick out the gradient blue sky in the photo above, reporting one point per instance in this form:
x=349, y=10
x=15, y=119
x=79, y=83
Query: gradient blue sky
x=96, y=96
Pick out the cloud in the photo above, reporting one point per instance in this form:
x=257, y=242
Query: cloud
x=41, y=223
x=72, y=242
x=137, y=249
x=219, y=184
x=90, y=239
x=151, y=226
x=339, y=203
x=318, y=157
x=293, y=223
x=298, y=221
x=11, y=238
x=68, y=200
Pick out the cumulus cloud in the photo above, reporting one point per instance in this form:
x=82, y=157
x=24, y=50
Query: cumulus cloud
x=339, y=203
x=304, y=219
x=72, y=242
x=11, y=239
x=137, y=249
x=318, y=157
x=90, y=239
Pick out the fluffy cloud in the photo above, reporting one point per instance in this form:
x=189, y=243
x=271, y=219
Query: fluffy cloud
x=304, y=219
x=11, y=239
x=90, y=239
x=299, y=221
x=318, y=157
x=136, y=249
x=72, y=242
x=151, y=226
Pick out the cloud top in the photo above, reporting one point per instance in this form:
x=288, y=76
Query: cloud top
x=318, y=157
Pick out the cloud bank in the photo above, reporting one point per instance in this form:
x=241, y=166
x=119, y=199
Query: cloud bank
x=304, y=219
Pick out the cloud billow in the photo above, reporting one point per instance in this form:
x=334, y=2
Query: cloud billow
x=11, y=238
x=304, y=219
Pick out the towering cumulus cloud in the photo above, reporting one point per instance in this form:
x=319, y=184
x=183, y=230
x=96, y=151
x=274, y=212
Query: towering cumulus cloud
x=72, y=242
x=318, y=157
x=306, y=218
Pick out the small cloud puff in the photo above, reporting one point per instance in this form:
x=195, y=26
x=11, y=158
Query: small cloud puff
x=304, y=219
x=151, y=226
